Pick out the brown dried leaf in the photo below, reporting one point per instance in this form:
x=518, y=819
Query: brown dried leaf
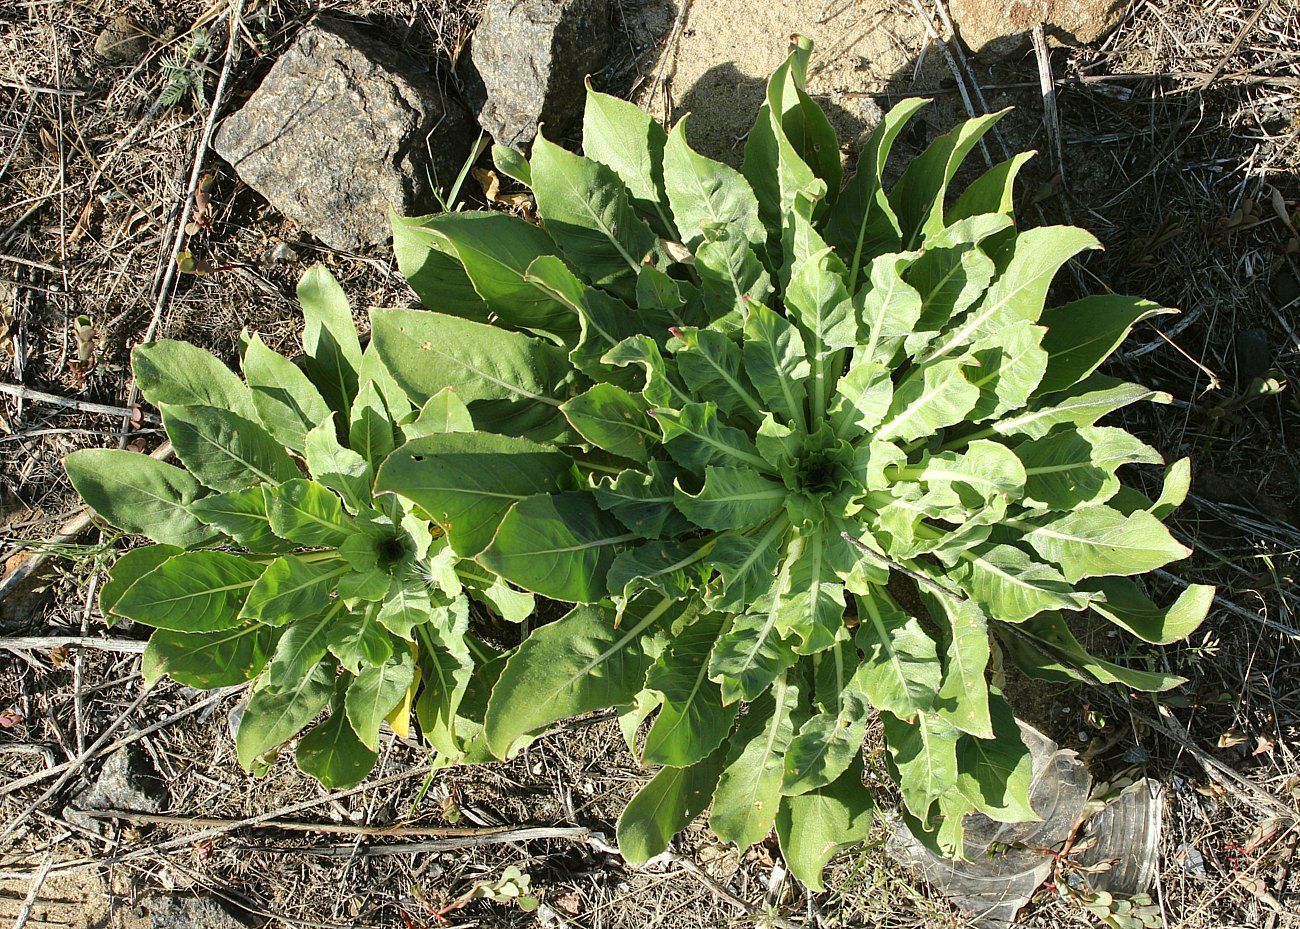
x=490, y=182
x=1232, y=738
x=1259, y=889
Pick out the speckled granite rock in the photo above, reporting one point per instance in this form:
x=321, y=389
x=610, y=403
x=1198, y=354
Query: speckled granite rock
x=1001, y=27
x=343, y=129
x=527, y=63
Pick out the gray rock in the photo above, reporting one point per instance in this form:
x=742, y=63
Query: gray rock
x=527, y=64
x=127, y=781
x=343, y=129
x=122, y=42
x=181, y=911
x=996, y=28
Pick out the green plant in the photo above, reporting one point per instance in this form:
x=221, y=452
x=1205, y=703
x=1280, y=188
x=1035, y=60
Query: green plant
x=184, y=68
x=836, y=452
x=319, y=589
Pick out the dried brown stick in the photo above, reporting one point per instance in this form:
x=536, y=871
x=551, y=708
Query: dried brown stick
x=286, y=825
x=34, y=892
x=41, y=642
x=451, y=844
x=84, y=406
x=1047, y=87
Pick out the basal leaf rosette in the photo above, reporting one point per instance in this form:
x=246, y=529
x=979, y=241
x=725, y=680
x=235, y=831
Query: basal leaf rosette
x=835, y=446
x=275, y=560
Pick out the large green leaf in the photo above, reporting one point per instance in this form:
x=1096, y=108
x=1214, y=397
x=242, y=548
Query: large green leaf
x=924, y=753
x=1021, y=289
x=732, y=498
x=963, y=699
x=1009, y=366
x=862, y=224
x=370, y=427
x=141, y=495
x=340, y=469
x=129, y=568
x=984, y=475
x=1081, y=405
x=1098, y=540
x=207, y=660
x=302, y=647
x=558, y=545
x=587, y=212
x=710, y=364
x=918, y=196
x=817, y=300
x=813, y=826
x=949, y=280
x=224, y=450
x=1071, y=468
x=665, y=806
x=603, y=319
x=732, y=278
x=675, y=569
x=887, y=307
x=900, y=670
x=611, y=418
x=1081, y=335
x=696, y=436
x=995, y=774
x=493, y=249
x=432, y=267
x=359, y=640
x=1012, y=586
x=929, y=399
x=749, y=790
x=171, y=373
x=308, y=514
x=628, y=141
x=192, y=592
x=863, y=395
x=749, y=656
x=429, y=352
x=746, y=564
x=1052, y=634
x=290, y=588
x=446, y=678
x=810, y=596
x=692, y=721
x=287, y=402
x=241, y=514
x=710, y=200
x=374, y=692
x=467, y=481
x=332, y=753
x=580, y=663
x=991, y=192
x=775, y=362
x=274, y=715
x=329, y=338
x=1124, y=604
x=789, y=151
x=643, y=500
x=830, y=740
